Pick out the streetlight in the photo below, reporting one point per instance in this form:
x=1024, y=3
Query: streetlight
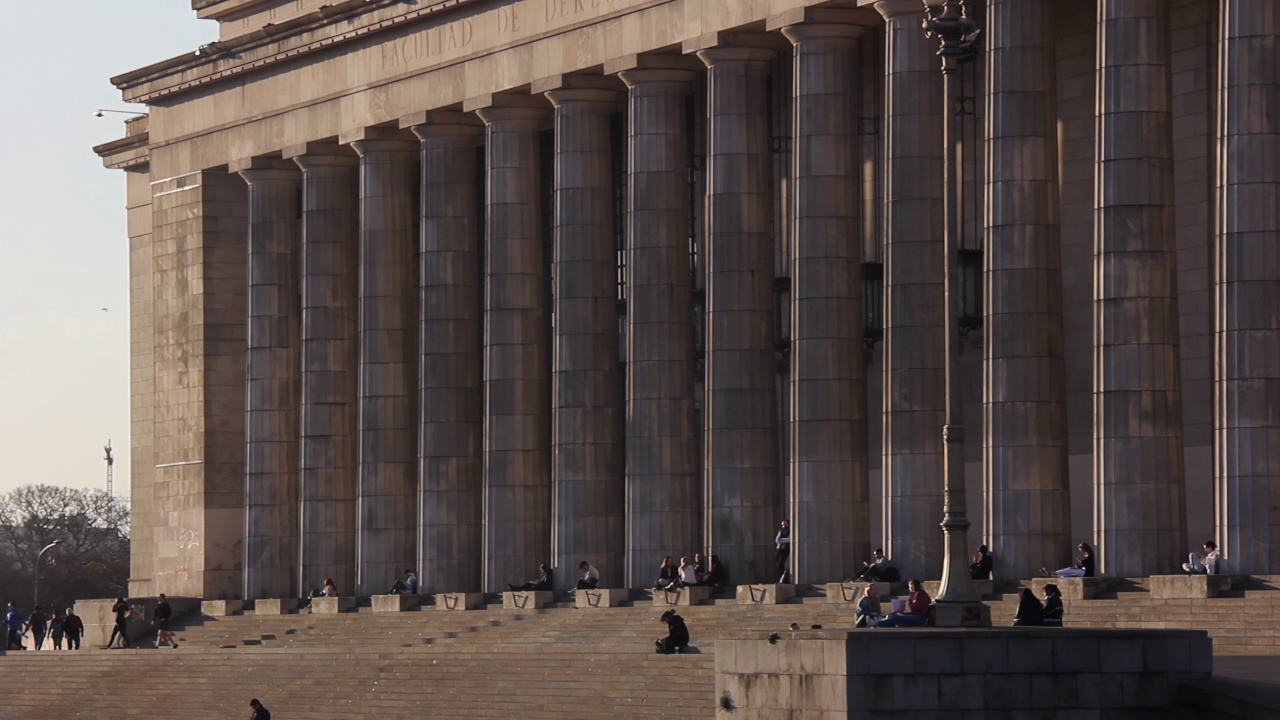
x=957, y=605
x=100, y=111
x=36, y=600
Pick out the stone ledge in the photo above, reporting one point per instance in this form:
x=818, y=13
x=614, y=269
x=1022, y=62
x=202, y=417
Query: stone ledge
x=526, y=599
x=332, y=605
x=394, y=603
x=852, y=591
x=1078, y=588
x=458, y=601
x=765, y=594
x=600, y=597
x=276, y=606
x=685, y=596
x=981, y=587
x=951, y=673
x=221, y=608
x=1199, y=586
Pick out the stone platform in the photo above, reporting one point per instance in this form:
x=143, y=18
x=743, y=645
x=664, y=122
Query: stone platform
x=458, y=601
x=940, y=673
x=527, y=600
x=1079, y=588
x=688, y=595
x=1167, y=587
x=765, y=594
x=600, y=597
x=394, y=603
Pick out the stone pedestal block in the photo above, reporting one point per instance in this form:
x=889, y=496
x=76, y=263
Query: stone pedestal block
x=99, y=619
x=601, y=598
x=458, y=601
x=395, y=603
x=852, y=591
x=1075, y=588
x=980, y=587
x=1167, y=587
x=693, y=595
x=275, y=606
x=332, y=605
x=935, y=673
x=221, y=608
x=765, y=594
x=532, y=600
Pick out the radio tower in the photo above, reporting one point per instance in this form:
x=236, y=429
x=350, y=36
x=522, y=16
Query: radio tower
x=111, y=464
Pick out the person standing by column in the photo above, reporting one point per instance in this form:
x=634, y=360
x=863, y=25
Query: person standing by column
x=783, y=543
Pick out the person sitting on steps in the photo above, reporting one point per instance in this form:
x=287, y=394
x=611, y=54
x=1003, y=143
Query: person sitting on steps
x=677, y=635
x=917, y=613
x=590, y=577
x=688, y=572
x=542, y=582
x=405, y=586
x=668, y=575
x=1081, y=567
x=1030, y=611
x=1053, y=609
x=877, y=569
x=868, y=613
x=980, y=568
x=1203, y=562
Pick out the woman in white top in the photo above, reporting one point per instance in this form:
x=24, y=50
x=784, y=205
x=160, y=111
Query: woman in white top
x=688, y=572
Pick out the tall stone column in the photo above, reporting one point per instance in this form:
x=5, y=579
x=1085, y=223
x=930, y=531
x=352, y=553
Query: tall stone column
x=1247, y=342
x=830, y=495
x=517, y=372
x=271, y=400
x=914, y=355
x=743, y=489
x=330, y=258
x=451, y=396
x=1137, y=403
x=387, y=493
x=1027, y=508
x=664, y=499
x=587, y=472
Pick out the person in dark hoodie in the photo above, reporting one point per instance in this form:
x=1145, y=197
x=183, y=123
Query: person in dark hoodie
x=1030, y=611
x=677, y=634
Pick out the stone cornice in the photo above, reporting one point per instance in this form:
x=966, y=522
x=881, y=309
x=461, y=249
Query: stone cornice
x=127, y=153
x=275, y=43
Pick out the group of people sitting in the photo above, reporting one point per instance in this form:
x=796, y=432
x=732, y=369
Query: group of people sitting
x=698, y=572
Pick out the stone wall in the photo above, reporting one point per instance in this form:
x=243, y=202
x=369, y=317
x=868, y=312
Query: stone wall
x=935, y=674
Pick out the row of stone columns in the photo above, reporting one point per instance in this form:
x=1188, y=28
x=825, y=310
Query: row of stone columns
x=525, y=442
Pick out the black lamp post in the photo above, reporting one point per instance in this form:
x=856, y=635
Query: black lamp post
x=957, y=605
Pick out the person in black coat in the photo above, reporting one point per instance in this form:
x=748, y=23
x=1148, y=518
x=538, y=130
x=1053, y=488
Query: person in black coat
x=1030, y=611
x=121, y=609
x=677, y=634
x=980, y=568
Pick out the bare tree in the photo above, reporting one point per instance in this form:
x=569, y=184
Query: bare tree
x=92, y=559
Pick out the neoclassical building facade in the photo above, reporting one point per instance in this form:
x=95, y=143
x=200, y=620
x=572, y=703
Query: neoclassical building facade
x=471, y=285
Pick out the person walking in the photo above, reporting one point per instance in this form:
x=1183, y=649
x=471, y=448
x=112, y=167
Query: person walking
x=161, y=617
x=74, y=628
x=57, y=628
x=121, y=609
x=38, y=624
x=14, y=622
x=260, y=711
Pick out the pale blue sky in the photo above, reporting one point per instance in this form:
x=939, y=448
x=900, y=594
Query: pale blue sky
x=64, y=363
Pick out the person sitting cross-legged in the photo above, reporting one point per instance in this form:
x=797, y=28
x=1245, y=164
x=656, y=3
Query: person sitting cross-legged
x=917, y=613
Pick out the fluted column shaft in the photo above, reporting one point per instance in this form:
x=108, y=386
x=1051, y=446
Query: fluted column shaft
x=451, y=394
x=1247, y=335
x=388, y=458
x=663, y=483
x=271, y=401
x=828, y=368
x=1026, y=502
x=517, y=374
x=330, y=258
x=587, y=473
x=914, y=352
x=743, y=489
x=1138, y=464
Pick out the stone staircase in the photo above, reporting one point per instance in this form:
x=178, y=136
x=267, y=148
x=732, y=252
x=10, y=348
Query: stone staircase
x=556, y=662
